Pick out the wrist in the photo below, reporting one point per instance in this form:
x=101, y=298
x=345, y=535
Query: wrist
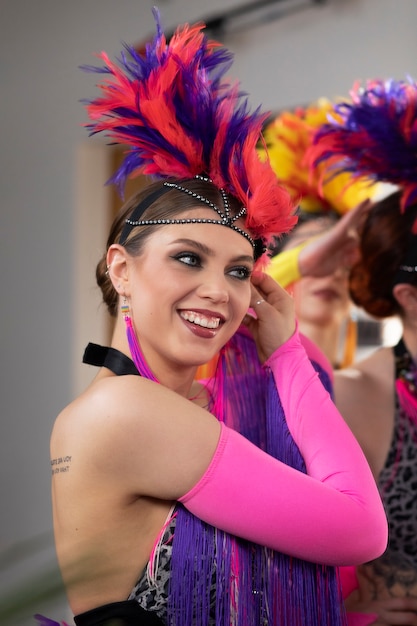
x=291, y=344
x=301, y=260
x=284, y=267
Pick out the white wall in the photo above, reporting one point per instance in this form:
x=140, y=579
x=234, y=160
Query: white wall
x=318, y=52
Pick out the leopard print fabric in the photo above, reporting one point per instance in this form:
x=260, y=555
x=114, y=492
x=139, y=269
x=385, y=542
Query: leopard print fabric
x=396, y=569
x=151, y=590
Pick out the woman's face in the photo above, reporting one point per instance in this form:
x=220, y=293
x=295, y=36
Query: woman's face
x=321, y=301
x=189, y=290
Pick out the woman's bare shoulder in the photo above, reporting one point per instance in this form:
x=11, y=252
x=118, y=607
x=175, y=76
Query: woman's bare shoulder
x=364, y=395
x=115, y=398
x=376, y=369
x=136, y=430
x=106, y=399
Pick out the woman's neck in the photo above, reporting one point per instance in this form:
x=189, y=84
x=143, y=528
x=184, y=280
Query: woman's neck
x=173, y=377
x=325, y=337
x=170, y=375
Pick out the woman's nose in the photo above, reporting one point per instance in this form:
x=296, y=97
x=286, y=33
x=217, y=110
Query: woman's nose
x=214, y=287
x=342, y=271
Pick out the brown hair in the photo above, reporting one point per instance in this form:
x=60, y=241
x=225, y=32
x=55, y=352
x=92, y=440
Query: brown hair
x=170, y=204
x=385, y=241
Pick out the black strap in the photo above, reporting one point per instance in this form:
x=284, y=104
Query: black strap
x=400, y=349
x=139, y=210
x=403, y=360
x=126, y=613
x=114, y=360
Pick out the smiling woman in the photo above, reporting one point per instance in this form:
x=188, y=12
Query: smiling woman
x=202, y=502
x=193, y=276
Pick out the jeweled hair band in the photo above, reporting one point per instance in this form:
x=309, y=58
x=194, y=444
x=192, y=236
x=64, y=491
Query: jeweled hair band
x=226, y=218
x=408, y=268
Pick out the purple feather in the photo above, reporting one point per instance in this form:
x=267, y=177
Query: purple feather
x=199, y=90
x=374, y=135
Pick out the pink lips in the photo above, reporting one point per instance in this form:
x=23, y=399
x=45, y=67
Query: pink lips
x=201, y=323
x=327, y=294
x=200, y=331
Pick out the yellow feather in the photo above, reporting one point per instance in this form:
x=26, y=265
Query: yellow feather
x=287, y=139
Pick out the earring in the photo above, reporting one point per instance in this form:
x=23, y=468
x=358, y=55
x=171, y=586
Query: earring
x=134, y=346
x=125, y=309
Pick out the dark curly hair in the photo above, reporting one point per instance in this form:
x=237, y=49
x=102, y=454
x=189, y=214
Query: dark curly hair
x=386, y=242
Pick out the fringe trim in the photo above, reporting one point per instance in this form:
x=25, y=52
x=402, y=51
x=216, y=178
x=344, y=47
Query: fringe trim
x=220, y=580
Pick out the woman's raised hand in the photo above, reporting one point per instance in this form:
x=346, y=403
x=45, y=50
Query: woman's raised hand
x=337, y=247
x=274, y=323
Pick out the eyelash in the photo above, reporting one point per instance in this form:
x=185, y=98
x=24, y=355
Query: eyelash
x=188, y=255
x=245, y=272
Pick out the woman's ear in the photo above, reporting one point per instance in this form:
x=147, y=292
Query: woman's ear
x=406, y=296
x=117, y=268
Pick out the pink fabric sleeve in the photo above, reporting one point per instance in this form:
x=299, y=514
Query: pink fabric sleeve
x=333, y=515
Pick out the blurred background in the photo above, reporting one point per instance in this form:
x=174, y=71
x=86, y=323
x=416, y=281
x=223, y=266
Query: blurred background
x=55, y=208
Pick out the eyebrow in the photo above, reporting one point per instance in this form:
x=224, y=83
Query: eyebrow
x=208, y=251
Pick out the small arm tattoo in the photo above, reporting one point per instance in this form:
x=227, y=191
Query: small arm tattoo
x=61, y=464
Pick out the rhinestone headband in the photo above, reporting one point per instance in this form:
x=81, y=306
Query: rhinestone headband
x=408, y=268
x=406, y=272
x=226, y=217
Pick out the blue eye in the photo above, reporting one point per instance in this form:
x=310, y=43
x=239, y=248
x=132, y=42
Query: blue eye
x=241, y=273
x=188, y=258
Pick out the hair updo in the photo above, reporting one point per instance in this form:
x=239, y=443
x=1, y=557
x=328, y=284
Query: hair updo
x=385, y=241
x=169, y=205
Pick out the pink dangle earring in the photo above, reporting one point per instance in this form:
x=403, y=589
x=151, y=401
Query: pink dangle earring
x=134, y=346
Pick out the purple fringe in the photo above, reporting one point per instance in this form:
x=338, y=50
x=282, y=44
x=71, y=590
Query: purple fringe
x=136, y=352
x=220, y=580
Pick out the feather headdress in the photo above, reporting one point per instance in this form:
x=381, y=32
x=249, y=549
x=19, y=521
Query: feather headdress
x=180, y=117
x=373, y=135
x=288, y=138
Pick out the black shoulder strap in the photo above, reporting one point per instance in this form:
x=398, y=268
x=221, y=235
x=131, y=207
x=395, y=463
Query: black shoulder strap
x=400, y=349
x=114, y=360
x=403, y=360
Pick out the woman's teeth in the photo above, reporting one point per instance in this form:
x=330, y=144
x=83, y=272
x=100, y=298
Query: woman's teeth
x=200, y=320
